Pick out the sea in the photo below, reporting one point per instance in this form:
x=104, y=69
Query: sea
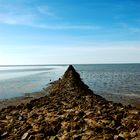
x=107, y=80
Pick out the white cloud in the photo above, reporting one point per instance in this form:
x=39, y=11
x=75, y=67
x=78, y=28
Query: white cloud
x=9, y=18
x=111, y=52
x=68, y=26
x=93, y=55
x=30, y=16
x=30, y=20
x=15, y=13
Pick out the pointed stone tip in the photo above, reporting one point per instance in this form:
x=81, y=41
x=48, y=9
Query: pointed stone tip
x=70, y=80
x=71, y=72
x=71, y=68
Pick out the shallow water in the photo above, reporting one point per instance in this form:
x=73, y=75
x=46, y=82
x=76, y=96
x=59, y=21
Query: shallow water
x=111, y=79
x=16, y=81
x=105, y=79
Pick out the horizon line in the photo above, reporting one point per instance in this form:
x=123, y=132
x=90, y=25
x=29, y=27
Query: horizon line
x=66, y=64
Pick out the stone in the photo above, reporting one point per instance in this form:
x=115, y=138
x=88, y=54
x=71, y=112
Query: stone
x=25, y=135
x=4, y=134
x=39, y=136
x=77, y=137
x=133, y=134
x=40, y=118
x=53, y=138
x=36, y=127
x=134, y=111
x=31, y=137
x=20, y=118
x=117, y=137
x=8, y=117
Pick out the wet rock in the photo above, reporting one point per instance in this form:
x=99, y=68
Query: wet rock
x=134, y=111
x=108, y=137
x=31, y=137
x=20, y=118
x=77, y=137
x=29, y=106
x=54, y=138
x=80, y=114
x=36, y=127
x=21, y=106
x=25, y=135
x=39, y=136
x=98, y=130
x=93, y=123
x=8, y=117
x=121, y=136
x=138, y=132
x=133, y=134
x=4, y=134
x=116, y=137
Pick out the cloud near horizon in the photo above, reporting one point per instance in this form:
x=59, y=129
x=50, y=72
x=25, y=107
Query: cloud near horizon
x=99, y=54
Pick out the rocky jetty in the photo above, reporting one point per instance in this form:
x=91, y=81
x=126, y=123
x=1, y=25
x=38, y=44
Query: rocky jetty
x=70, y=111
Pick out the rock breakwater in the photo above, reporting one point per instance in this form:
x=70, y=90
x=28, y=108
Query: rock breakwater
x=70, y=111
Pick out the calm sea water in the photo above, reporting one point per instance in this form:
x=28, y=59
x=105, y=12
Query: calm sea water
x=112, y=80
x=103, y=79
x=18, y=80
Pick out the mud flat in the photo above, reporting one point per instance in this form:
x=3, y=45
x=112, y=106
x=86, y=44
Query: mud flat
x=70, y=111
x=22, y=99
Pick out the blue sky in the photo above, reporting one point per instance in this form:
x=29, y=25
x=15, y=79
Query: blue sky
x=69, y=31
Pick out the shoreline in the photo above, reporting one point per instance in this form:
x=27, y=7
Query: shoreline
x=123, y=99
x=27, y=97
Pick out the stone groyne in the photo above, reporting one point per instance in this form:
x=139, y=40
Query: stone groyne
x=70, y=111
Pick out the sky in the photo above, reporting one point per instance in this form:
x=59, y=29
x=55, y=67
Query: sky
x=69, y=31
